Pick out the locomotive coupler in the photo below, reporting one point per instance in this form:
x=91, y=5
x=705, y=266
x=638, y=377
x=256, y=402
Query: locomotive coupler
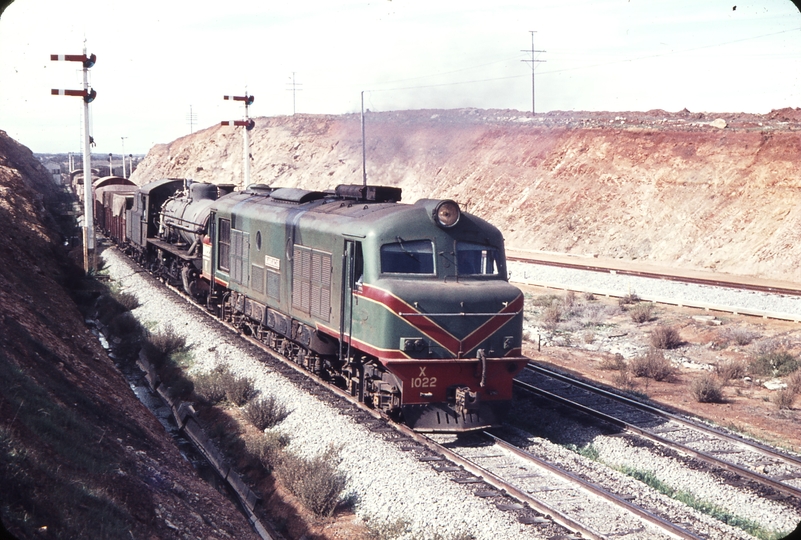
x=466, y=401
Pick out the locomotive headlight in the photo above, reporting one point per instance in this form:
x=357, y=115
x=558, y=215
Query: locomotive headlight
x=447, y=214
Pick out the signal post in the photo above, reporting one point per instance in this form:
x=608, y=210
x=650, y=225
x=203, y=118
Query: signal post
x=88, y=96
x=248, y=124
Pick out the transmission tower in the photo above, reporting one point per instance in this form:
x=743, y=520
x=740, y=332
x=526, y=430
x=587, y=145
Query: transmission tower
x=533, y=62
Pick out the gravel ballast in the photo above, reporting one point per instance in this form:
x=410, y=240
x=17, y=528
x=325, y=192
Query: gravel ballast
x=387, y=484
x=657, y=290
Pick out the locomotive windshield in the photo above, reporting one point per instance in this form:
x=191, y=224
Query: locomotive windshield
x=408, y=257
x=476, y=259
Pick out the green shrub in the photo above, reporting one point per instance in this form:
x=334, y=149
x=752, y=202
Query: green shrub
x=665, y=337
x=774, y=364
x=707, y=389
x=653, y=365
x=265, y=413
x=316, y=482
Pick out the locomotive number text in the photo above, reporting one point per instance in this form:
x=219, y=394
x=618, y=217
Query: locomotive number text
x=424, y=382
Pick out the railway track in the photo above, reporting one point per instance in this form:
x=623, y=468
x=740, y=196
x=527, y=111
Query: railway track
x=731, y=282
x=748, y=459
x=518, y=496
x=525, y=501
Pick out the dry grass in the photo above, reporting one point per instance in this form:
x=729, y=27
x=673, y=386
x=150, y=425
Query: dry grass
x=653, y=365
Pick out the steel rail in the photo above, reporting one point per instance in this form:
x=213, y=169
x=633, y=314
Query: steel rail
x=712, y=460
x=656, y=275
x=487, y=477
x=650, y=517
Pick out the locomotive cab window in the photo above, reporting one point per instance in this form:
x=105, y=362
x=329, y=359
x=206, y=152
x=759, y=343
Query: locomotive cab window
x=408, y=257
x=477, y=259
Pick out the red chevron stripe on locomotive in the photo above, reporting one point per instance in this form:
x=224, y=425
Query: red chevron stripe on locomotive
x=434, y=331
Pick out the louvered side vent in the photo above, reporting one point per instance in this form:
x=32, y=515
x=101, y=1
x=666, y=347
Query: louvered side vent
x=257, y=279
x=240, y=254
x=311, y=283
x=321, y=285
x=273, y=284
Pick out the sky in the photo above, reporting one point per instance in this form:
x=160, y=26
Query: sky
x=157, y=60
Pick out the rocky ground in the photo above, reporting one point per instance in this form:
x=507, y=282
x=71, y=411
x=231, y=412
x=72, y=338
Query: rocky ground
x=695, y=190
x=80, y=456
x=714, y=191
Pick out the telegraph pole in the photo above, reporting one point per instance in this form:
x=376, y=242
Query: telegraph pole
x=191, y=118
x=248, y=124
x=88, y=96
x=533, y=65
x=123, y=156
x=364, y=155
x=295, y=89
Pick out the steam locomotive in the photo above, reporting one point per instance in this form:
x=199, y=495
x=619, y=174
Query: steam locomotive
x=406, y=306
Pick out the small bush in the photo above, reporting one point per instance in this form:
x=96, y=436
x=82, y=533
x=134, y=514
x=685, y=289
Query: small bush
x=642, y=312
x=794, y=382
x=740, y=336
x=159, y=347
x=268, y=448
x=630, y=298
x=551, y=316
x=730, y=370
x=774, y=364
x=623, y=380
x=128, y=301
x=653, y=365
x=616, y=363
x=545, y=300
x=265, y=413
x=707, y=389
x=209, y=387
x=783, y=399
x=665, y=337
x=316, y=482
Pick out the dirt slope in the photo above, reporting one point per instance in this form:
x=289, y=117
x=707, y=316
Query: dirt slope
x=80, y=456
x=694, y=190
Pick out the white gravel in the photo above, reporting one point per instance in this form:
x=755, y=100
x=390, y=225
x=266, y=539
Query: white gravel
x=658, y=290
x=388, y=485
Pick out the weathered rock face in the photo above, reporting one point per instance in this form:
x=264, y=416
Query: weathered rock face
x=80, y=456
x=675, y=189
